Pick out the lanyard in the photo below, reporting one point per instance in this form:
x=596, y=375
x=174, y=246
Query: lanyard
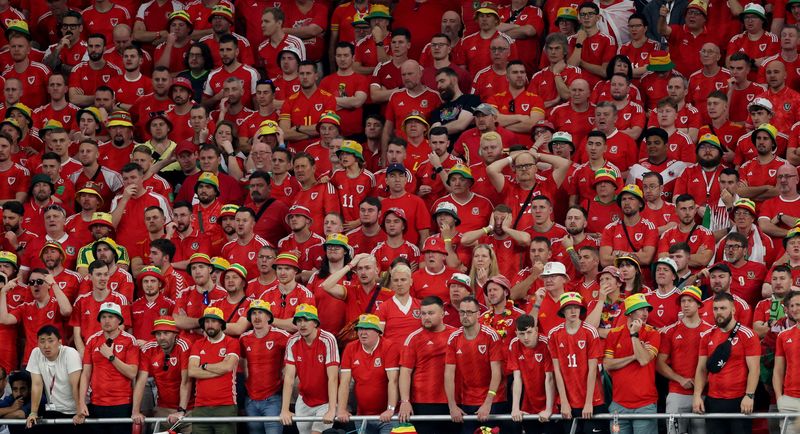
x=709, y=184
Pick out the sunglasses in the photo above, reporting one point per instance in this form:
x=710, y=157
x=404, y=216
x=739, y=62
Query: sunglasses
x=36, y=282
x=165, y=366
x=206, y=299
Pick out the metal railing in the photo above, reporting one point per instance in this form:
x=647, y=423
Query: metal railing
x=786, y=418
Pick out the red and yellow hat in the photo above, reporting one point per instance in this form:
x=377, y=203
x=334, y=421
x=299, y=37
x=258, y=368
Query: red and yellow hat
x=151, y=271
x=221, y=11
x=570, y=299
x=228, y=210
x=691, y=291
x=261, y=305
x=182, y=16
x=287, y=259
x=199, y=258
x=101, y=218
x=164, y=324
x=53, y=245
x=745, y=204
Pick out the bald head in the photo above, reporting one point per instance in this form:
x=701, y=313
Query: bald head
x=411, y=72
x=775, y=73
x=579, y=91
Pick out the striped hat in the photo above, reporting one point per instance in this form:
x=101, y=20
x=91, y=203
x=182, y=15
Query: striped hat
x=100, y=218
x=53, y=245
x=336, y=239
x=238, y=269
x=151, y=271
x=460, y=279
x=691, y=291
x=660, y=61
x=567, y=13
x=288, y=260
x=199, y=258
x=119, y=118
x=220, y=264
x=207, y=178
x=227, y=210
x=570, y=299
x=22, y=108
x=793, y=232
x=164, y=324
x=329, y=117
x=180, y=15
x=212, y=312
x=605, y=175
x=404, y=428
x=769, y=129
x=745, y=204
x=635, y=302
x=369, y=321
x=221, y=11
x=711, y=139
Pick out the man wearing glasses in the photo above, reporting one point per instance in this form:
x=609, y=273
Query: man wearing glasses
x=591, y=49
x=758, y=246
x=517, y=193
x=166, y=360
x=777, y=211
x=747, y=274
x=44, y=308
x=70, y=49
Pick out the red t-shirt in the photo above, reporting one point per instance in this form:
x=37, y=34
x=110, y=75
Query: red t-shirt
x=543, y=82
x=369, y=372
x=302, y=110
x=244, y=254
x=311, y=362
x=144, y=313
x=264, y=358
x=168, y=381
x=426, y=283
x=109, y=385
x=284, y=306
x=573, y=353
x=472, y=359
x=424, y=352
x=476, y=50
x=219, y=390
x=731, y=381
x=785, y=347
x=320, y=199
x=567, y=119
x=682, y=345
x=619, y=345
x=317, y=15
x=597, y=49
x=347, y=86
x=399, y=320
x=533, y=364
x=86, y=309
x=385, y=254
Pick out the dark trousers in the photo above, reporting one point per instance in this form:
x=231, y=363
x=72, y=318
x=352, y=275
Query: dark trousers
x=591, y=426
x=726, y=426
x=433, y=427
x=110, y=411
x=469, y=426
x=531, y=425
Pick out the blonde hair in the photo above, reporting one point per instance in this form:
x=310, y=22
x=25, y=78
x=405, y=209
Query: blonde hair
x=494, y=270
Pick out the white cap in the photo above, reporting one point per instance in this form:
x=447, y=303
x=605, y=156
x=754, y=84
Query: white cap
x=554, y=269
x=561, y=136
x=761, y=102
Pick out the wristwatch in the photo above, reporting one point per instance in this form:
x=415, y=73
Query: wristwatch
x=111, y=358
x=635, y=335
x=750, y=395
x=180, y=410
x=578, y=45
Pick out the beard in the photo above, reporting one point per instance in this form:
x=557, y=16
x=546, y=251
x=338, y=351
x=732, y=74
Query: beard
x=94, y=57
x=723, y=322
x=119, y=141
x=575, y=231
x=447, y=94
x=708, y=164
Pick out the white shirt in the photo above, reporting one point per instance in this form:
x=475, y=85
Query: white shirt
x=55, y=377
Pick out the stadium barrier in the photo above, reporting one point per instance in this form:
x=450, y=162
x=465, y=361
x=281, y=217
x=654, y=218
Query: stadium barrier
x=670, y=417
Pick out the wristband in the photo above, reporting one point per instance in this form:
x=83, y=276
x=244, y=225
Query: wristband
x=180, y=410
x=405, y=401
x=510, y=160
x=570, y=249
x=492, y=393
x=448, y=240
x=635, y=335
x=390, y=407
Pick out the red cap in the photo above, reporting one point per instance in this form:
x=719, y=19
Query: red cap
x=434, y=244
x=185, y=146
x=298, y=210
x=396, y=211
x=182, y=82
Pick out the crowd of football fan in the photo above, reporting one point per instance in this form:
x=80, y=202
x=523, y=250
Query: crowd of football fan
x=399, y=207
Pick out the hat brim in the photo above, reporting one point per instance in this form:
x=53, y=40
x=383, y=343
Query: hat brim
x=758, y=14
x=164, y=328
x=378, y=15
x=571, y=303
x=661, y=68
x=450, y=213
x=351, y=152
x=306, y=316
x=637, y=306
x=116, y=123
x=458, y=172
x=368, y=326
x=680, y=297
x=269, y=312
x=116, y=314
x=203, y=319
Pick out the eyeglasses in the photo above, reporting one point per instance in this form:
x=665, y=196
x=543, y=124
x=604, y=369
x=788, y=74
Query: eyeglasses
x=512, y=106
x=787, y=176
x=521, y=167
x=266, y=257
x=587, y=14
x=36, y=282
x=733, y=246
x=467, y=312
x=438, y=44
x=741, y=212
x=70, y=26
x=165, y=367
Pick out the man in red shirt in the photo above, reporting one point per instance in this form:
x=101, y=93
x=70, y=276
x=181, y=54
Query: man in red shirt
x=128, y=208
x=212, y=364
x=172, y=51
x=700, y=239
x=756, y=41
x=312, y=356
x=32, y=74
x=784, y=373
x=476, y=45
x=678, y=355
x=758, y=175
x=474, y=366
x=630, y=358
x=785, y=100
x=633, y=235
x=152, y=305
x=229, y=48
x=263, y=349
x=686, y=40
x=731, y=381
x=417, y=216
x=88, y=75
x=243, y=250
x=422, y=365
x=88, y=304
x=165, y=359
x=575, y=116
x=432, y=278
x=591, y=49
x=576, y=351
x=414, y=97
x=110, y=364
x=302, y=109
x=373, y=363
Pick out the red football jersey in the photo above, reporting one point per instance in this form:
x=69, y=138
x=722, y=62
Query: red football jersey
x=573, y=353
x=109, y=385
x=533, y=363
x=369, y=372
x=472, y=359
x=217, y=390
x=424, y=352
x=168, y=380
x=731, y=381
x=620, y=345
x=682, y=345
x=787, y=349
x=311, y=362
x=264, y=357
